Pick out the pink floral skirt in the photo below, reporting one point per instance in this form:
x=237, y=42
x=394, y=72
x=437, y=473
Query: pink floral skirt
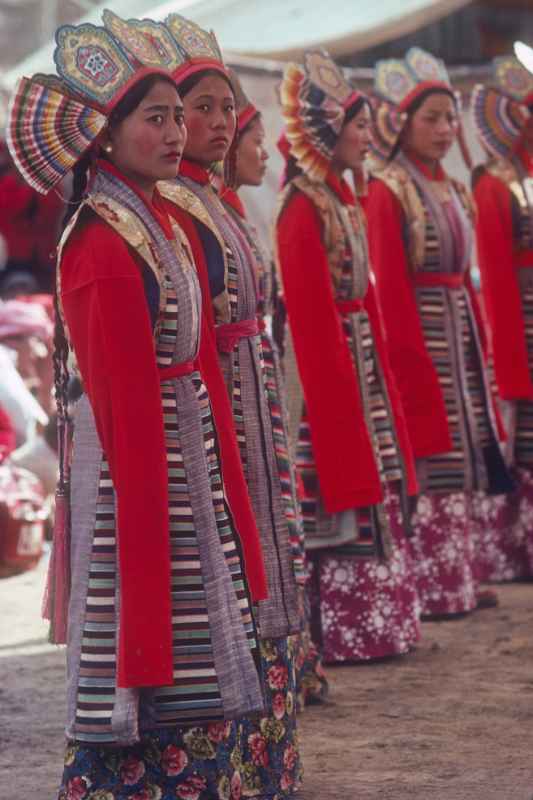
x=501, y=525
x=443, y=552
x=365, y=608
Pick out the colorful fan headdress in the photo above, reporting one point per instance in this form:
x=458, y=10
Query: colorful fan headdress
x=53, y=120
x=500, y=110
x=246, y=111
x=397, y=85
x=314, y=99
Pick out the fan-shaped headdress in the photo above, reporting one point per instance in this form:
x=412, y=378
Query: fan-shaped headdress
x=397, y=85
x=314, y=100
x=54, y=119
x=500, y=110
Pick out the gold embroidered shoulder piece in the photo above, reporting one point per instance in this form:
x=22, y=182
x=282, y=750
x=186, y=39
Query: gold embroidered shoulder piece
x=402, y=186
x=507, y=173
x=186, y=199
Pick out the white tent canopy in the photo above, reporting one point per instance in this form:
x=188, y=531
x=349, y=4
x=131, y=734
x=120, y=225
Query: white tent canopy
x=277, y=29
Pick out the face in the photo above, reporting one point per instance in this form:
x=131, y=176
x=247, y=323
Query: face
x=354, y=140
x=210, y=119
x=251, y=155
x=431, y=130
x=148, y=144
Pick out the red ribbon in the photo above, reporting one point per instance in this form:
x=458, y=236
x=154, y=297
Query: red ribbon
x=349, y=306
x=447, y=279
x=232, y=332
x=176, y=371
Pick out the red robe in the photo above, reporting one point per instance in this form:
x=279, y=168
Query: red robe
x=344, y=454
x=499, y=258
x=107, y=315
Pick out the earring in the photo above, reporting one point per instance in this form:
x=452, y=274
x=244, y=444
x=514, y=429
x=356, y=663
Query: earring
x=108, y=148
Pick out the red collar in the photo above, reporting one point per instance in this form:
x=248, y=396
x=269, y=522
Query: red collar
x=231, y=197
x=440, y=175
x=156, y=207
x=194, y=171
x=341, y=189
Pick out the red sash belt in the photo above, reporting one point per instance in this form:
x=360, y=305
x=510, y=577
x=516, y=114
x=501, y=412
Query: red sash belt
x=447, y=279
x=349, y=306
x=230, y=333
x=176, y=370
x=261, y=324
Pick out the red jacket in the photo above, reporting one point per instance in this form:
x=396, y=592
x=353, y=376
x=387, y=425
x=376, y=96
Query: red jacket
x=499, y=258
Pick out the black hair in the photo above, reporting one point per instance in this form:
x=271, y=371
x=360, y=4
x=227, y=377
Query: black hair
x=191, y=81
x=292, y=170
x=123, y=109
x=413, y=108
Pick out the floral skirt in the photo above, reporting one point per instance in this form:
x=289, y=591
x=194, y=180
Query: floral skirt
x=443, y=551
x=500, y=536
x=269, y=761
x=312, y=686
x=364, y=608
x=524, y=515
x=217, y=761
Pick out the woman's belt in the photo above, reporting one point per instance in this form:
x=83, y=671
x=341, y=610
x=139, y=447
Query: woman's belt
x=447, y=279
x=230, y=333
x=176, y=371
x=349, y=306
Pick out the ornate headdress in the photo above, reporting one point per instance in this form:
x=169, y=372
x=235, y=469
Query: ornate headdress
x=314, y=100
x=499, y=111
x=246, y=111
x=199, y=48
x=53, y=120
x=397, y=85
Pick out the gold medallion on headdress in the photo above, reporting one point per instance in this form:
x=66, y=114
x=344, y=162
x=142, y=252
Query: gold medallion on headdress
x=194, y=41
x=149, y=42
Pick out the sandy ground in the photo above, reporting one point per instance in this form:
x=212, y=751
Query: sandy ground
x=453, y=721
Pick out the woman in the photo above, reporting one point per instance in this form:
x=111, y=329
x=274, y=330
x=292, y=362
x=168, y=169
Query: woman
x=160, y=636
x=351, y=447
x=250, y=168
x=502, y=116
x=227, y=270
x=420, y=233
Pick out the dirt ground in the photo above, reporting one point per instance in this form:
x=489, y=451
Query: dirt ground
x=453, y=721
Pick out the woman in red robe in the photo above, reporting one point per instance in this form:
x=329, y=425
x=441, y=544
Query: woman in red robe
x=502, y=114
x=349, y=433
x=161, y=641
x=421, y=237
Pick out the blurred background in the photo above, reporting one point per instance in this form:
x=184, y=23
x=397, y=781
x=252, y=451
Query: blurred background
x=258, y=37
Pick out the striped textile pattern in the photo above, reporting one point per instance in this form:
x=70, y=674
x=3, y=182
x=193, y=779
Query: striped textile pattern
x=450, y=334
x=524, y=408
x=275, y=390
x=279, y=615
